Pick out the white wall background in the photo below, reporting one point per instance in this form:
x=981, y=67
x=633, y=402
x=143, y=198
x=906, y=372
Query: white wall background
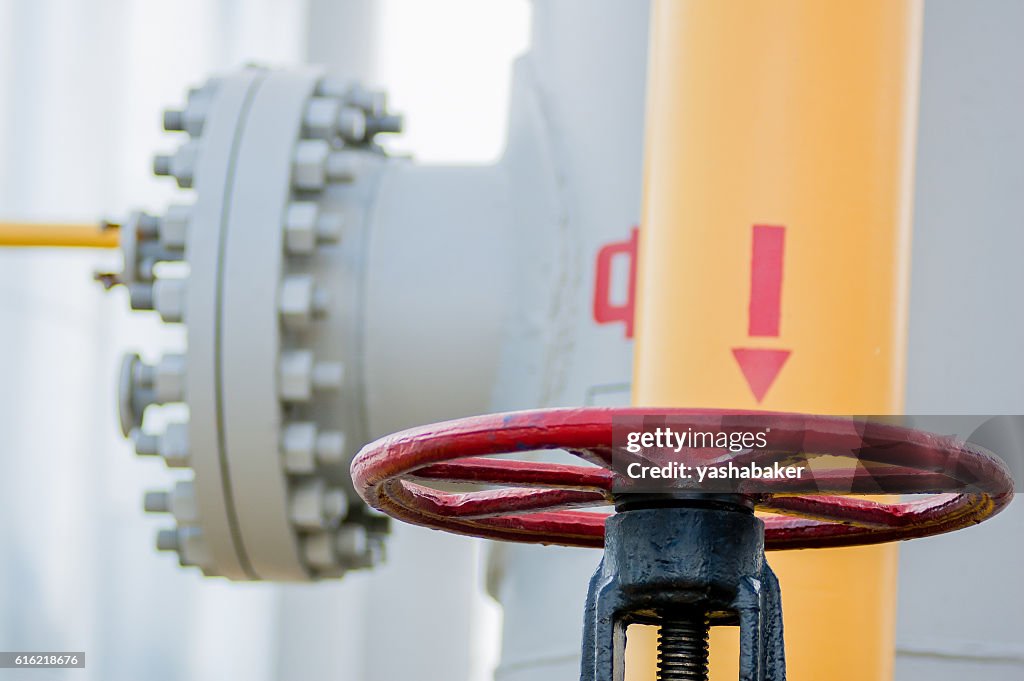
x=82, y=85
x=960, y=595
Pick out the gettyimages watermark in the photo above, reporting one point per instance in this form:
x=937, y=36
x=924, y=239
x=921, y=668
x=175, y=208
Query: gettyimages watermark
x=764, y=453
x=676, y=441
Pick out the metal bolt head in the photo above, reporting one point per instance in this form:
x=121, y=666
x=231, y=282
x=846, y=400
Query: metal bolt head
x=174, y=120
x=167, y=539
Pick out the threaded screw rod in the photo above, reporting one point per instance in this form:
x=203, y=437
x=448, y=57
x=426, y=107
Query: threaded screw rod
x=683, y=648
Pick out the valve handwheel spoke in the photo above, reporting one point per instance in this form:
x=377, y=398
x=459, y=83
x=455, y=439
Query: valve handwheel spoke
x=513, y=473
x=490, y=503
x=538, y=501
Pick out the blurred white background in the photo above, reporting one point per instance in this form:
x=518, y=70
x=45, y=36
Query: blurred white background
x=82, y=87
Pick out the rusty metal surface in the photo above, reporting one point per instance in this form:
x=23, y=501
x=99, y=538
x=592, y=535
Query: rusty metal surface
x=686, y=569
x=535, y=502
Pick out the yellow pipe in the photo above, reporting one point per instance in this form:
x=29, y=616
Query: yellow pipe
x=793, y=114
x=58, y=235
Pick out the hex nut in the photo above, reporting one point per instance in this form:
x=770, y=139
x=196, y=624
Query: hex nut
x=183, y=503
x=373, y=102
x=351, y=124
x=181, y=165
x=322, y=117
x=300, y=301
x=192, y=547
x=169, y=299
x=343, y=166
x=332, y=87
x=299, y=375
x=300, y=227
x=306, y=505
x=295, y=376
x=199, y=102
x=351, y=543
x=330, y=448
x=318, y=551
x=174, y=227
x=328, y=375
x=174, y=445
x=309, y=165
x=169, y=379
x=305, y=227
x=298, y=447
x=334, y=506
x=328, y=227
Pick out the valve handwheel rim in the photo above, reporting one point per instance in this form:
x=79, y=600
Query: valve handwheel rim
x=539, y=502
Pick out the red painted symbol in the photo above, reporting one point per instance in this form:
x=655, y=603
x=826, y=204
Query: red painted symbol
x=606, y=312
x=761, y=366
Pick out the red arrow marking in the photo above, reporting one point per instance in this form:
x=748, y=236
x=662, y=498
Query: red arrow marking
x=766, y=280
x=762, y=366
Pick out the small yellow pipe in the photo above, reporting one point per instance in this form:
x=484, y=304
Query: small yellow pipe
x=790, y=123
x=58, y=235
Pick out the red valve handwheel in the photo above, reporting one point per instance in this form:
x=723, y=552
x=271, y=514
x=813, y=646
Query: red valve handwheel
x=536, y=502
